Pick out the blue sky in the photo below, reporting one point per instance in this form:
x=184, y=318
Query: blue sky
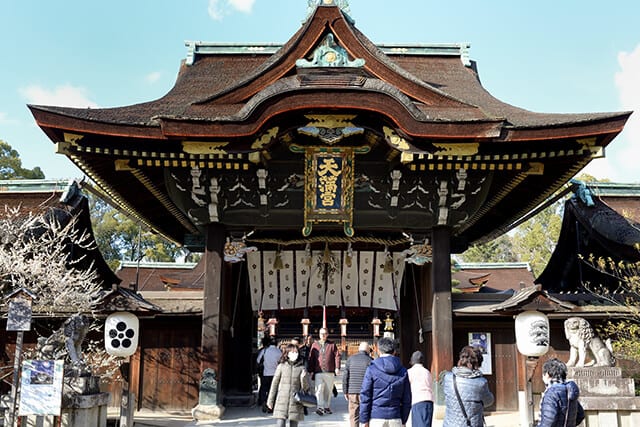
x=547, y=56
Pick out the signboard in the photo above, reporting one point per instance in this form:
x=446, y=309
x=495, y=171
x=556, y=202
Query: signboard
x=483, y=340
x=328, y=187
x=41, y=387
x=19, y=316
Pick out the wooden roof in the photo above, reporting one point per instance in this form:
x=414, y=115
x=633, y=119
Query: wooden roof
x=32, y=195
x=591, y=226
x=493, y=277
x=161, y=276
x=123, y=299
x=532, y=298
x=59, y=200
x=420, y=110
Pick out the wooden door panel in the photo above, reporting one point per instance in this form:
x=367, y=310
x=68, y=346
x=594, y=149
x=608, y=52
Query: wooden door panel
x=170, y=370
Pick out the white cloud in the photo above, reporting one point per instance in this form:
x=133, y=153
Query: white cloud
x=245, y=6
x=627, y=80
x=65, y=96
x=217, y=9
x=621, y=163
x=628, y=85
x=5, y=120
x=152, y=77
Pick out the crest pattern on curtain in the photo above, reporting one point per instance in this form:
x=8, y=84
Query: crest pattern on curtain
x=303, y=282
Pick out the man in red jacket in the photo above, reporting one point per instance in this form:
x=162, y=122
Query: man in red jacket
x=324, y=365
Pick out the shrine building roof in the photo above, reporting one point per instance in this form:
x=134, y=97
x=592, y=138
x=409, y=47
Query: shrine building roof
x=416, y=112
x=600, y=221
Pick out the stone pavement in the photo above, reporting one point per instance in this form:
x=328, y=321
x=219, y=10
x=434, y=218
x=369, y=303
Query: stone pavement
x=253, y=417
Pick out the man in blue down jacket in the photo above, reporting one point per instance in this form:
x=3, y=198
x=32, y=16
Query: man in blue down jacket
x=559, y=406
x=385, y=397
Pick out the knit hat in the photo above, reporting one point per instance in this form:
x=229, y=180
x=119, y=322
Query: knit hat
x=417, y=357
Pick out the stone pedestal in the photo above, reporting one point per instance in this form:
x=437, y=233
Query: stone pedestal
x=207, y=412
x=608, y=399
x=208, y=408
x=82, y=405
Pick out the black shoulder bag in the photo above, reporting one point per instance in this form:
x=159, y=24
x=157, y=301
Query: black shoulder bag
x=566, y=415
x=464, y=412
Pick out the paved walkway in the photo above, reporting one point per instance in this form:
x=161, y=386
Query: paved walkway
x=253, y=417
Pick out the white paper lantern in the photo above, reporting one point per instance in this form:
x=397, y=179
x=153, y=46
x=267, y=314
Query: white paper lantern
x=532, y=333
x=121, y=334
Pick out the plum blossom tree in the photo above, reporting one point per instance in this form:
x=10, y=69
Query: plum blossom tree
x=36, y=253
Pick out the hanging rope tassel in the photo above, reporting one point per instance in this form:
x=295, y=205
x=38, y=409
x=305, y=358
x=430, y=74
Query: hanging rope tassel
x=418, y=311
x=235, y=304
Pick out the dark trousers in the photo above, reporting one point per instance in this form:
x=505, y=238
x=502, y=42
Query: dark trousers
x=422, y=413
x=282, y=423
x=263, y=393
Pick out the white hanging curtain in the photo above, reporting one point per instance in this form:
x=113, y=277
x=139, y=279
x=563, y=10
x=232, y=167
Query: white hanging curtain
x=350, y=281
x=383, y=285
x=300, y=285
x=269, y=281
x=286, y=278
x=302, y=274
x=254, y=266
x=317, y=285
x=366, y=267
x=334, y=280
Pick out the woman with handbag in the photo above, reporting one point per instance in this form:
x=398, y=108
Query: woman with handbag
x=290, y=378
x=466, y=391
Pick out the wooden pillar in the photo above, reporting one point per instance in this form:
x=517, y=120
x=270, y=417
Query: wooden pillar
x=426, y=302
x=441, y=314
x=212, y=310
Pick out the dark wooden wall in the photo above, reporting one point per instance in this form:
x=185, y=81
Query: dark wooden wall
x=503, y=382
x=170, y=364
x=166, y=368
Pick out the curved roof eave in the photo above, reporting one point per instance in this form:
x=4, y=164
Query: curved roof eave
x=413, y=121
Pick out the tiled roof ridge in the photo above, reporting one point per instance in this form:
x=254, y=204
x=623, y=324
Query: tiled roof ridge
x=204, y=48
x=491, y=265
x=384, y=59
x=273, y=59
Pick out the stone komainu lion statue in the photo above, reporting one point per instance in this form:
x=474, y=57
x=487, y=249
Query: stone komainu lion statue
x=66, y=343
x=583, y=342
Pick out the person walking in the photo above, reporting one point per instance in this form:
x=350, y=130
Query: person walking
x=559, y=406
x=303, y=355
x=385, y=397
x=352, y=378
x=324, y=365
x=269, y=357
x=466, y=391
x=421, y=391
x=290, y=377
x=305, y=350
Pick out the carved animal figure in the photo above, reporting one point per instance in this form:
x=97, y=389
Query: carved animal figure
x=583, y=342
x=66, y=342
